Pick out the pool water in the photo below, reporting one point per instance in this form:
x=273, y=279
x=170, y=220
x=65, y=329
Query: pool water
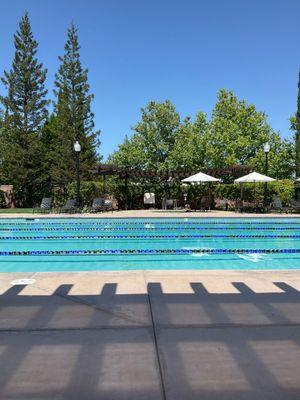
x=80, y=244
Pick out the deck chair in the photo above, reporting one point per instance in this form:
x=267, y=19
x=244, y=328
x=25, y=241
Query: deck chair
x=169, y=203
x=149, y=200
x=69, y=207
x=295, y=205
x=97, y=205
x=45, y=205
x=239, y=205
x=223, y=204
x=108, y=205
x=204, y=203
x=277, y=204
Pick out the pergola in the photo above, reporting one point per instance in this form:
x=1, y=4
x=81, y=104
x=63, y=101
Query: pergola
x=235, y=171
x=111, y=169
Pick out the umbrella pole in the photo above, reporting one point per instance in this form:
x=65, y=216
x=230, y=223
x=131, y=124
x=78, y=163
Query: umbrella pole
x=255, y=207
x=241, y=196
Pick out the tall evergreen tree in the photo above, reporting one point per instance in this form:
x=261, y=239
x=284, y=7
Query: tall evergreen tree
x=295, y=126
x=297, y=129
x=74, y=119
x=2, y=177
x=25, y=108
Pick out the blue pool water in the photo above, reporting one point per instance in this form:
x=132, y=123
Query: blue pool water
x=77, y=244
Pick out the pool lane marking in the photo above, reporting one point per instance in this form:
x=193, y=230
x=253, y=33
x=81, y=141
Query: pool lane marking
x=94, y=237
x=143, y=223
x=200, y=228
x=144, y=252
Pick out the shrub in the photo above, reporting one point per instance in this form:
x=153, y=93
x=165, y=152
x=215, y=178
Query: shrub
x=59, y=197
x=230, y=191
x=284, y=189
x=88, y=190
x=2, y=200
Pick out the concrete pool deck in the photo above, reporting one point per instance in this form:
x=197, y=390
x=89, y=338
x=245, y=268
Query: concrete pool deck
x=176, y=335
x=154, y=214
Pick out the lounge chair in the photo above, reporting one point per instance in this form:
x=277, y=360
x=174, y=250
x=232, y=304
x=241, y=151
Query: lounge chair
x=69, y=207
x=97, y=205
x=276, y=204
x=149, y=200
x=223, y=204
x=169, y=203
x=239, y=205
x=204, y=203
x=45, y=205
x=295, y=206
x=108, y=205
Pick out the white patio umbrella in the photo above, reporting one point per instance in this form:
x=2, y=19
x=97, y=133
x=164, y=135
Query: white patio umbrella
x=254, y=177
x=200, y=177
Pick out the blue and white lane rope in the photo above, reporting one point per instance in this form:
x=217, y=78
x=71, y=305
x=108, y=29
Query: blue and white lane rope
x=143, y=252
x=175, y=236
x=104, y=229
x=142, y=223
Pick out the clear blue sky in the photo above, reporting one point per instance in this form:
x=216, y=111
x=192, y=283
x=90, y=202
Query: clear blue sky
x=138, y=50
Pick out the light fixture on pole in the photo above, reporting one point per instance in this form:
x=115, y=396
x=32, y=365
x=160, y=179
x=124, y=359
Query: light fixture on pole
x=77, y=149
x=266, y=150
x=185, y=185
x=267, y=147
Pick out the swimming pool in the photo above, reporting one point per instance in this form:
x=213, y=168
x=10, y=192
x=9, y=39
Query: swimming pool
x=82, y=244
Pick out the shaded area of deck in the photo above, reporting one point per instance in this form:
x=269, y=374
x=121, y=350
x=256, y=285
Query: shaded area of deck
x=197, y=345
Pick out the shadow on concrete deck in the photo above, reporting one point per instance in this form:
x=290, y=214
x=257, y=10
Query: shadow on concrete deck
x=150, y=346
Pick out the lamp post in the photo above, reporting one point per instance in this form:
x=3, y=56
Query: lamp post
x=266, y=150
x=185, y=195
x=77, y=149
x=183, y=168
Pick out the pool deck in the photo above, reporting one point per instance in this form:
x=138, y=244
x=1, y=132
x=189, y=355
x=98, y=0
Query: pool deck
x=154, y=214
x=153, y=335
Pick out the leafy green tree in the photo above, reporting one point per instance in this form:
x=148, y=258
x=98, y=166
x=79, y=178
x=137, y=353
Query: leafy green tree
x=130, y=153
x=25, y=106
x=157, y=131
x=236, y=131
x=189, y=150
x=236, y=134
x=281, y=158
x=73, y=117
x=148, y=149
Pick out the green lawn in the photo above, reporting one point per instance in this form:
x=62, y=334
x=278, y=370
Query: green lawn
x=15, y=210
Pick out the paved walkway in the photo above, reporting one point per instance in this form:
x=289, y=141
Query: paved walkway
x=150, y=335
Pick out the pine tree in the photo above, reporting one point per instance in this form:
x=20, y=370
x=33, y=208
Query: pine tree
x=25, y=108
x=74, y=119
x=297, y=128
